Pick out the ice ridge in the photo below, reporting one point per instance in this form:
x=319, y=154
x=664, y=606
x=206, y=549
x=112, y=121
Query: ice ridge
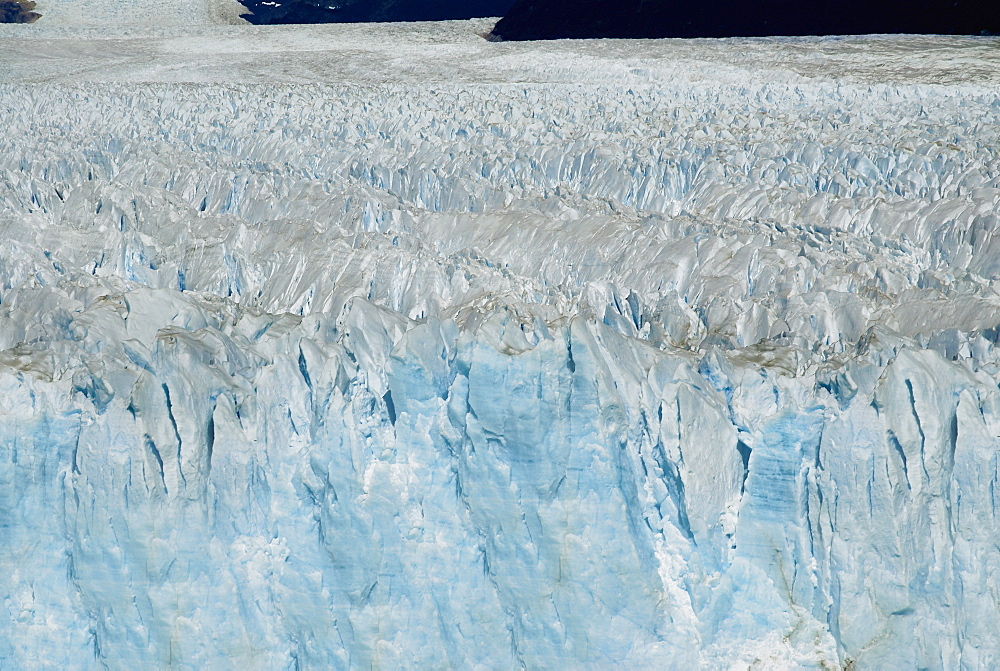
x=500, y=376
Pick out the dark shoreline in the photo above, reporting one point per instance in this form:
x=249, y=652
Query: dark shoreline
x=265, y=12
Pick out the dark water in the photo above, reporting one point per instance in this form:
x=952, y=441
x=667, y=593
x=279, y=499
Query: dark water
x=352, y=11
x=550, y=19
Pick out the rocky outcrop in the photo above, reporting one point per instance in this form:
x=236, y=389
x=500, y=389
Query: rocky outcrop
x=18, y=11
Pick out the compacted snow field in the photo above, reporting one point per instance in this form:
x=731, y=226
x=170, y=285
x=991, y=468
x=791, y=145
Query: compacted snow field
x=389, y=347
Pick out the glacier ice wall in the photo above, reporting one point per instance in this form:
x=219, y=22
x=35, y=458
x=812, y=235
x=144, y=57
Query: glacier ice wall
x=499, y=376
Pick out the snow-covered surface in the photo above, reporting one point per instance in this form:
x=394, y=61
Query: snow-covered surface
x=117, y=17
x=387, y=346
x=454, y=52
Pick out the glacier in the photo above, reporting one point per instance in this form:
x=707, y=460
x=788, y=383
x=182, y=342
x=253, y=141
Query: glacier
x=584, y=355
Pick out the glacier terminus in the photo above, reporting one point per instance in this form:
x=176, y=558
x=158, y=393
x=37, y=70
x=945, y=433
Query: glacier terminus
x=391, y=347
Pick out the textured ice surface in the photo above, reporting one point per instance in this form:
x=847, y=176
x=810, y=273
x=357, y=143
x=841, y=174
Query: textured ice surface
x=120, y=17
x=558, y=370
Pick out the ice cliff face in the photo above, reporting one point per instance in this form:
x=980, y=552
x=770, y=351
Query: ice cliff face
x=499, y=376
